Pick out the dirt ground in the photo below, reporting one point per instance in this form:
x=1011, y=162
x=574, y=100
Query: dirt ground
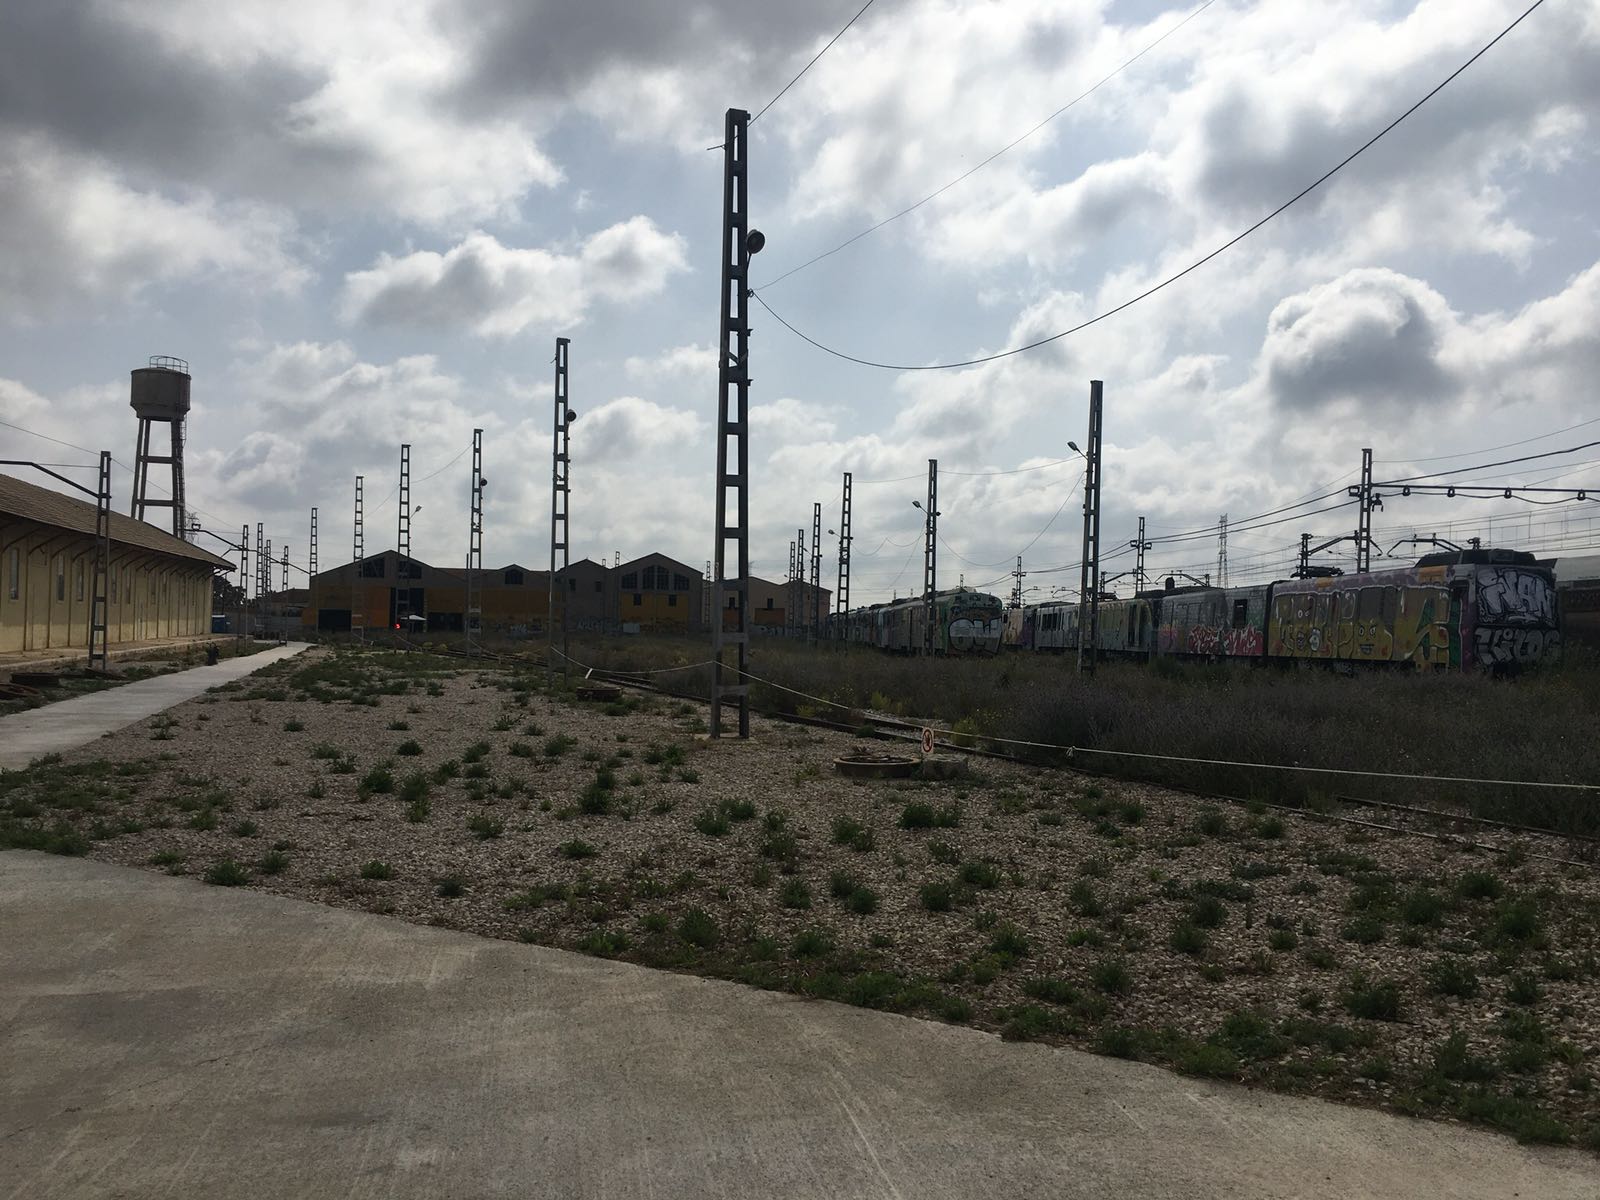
x=1288, y=950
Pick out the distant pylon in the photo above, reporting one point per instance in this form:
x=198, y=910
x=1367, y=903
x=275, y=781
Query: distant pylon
x=1222, y=551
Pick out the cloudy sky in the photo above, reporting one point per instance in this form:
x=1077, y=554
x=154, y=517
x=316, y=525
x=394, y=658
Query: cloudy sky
x=366, y=223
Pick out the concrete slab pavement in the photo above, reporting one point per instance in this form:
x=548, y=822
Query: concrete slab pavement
x=162, y=1037
x=68, y=724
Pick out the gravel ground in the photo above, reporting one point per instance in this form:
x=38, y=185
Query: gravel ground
x=1275, y=948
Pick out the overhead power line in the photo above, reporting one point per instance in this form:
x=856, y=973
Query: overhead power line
x=1504, y=462
x=813, y=61
x=1009, y=146
x=1171, y=279
x=1489, y=449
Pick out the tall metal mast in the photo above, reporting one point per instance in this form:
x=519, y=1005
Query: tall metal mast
x=729, y=681
x=402, y=567
x=1089, y=589
x=560, y=500
x=473, y=621
x=930, y=560
x=841, y=602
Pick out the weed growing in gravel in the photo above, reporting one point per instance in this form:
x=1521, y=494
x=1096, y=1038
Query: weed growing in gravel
x=273, y=862
x=862, y=901
x=699, y=928
x=378, y=779
x=485, y=825
x=921, y=815
x=1451, y=976
x=1523, y=988
x=399, y=726
x=1084, y=900
x=291, y=726
x=227, y=873
x=450, y=886
x=980, y=874
x=607, y=943
x=376, y=870
x=410, y=748
x=1208, y=912
x=1374, y=1000
x=1010, y=941
x=558, y=745
x=937, y=897
x=1188, y=938
x=476, y=752
x=576, y=848
x=325, y=750
x=812, y=942
x=1112, y=975
x=1480, y=885
x=713, y=822
x=796, y=893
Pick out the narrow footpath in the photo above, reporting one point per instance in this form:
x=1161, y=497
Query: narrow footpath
x=68, y=724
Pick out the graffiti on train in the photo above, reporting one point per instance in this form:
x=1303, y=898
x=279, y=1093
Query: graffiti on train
x=1208, y=640
x=1503, y=646
x=1510, y=597
x=970, y=631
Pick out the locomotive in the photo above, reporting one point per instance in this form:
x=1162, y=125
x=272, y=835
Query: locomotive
x=1493, y=610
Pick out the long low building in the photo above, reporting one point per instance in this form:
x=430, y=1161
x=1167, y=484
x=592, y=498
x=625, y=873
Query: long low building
x=651, y=594
x=157, y=586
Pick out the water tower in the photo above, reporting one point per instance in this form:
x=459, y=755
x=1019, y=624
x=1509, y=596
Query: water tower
x=160, y=394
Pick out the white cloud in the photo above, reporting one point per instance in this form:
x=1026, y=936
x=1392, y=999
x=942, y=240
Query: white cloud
x=75, y=231
x=688, y=362
x=498, y=291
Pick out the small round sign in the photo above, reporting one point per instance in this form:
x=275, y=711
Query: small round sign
x=927, y=739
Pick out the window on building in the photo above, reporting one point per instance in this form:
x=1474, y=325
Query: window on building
x=111, y=583
x=733, y=602
x=61, y=577
x=638, y=599
x=630, y=581
x=598, y=586
x=680, y=583
x=13, y=573
x=77, y=582
x=372, y=568
x=513, y=578
x=572, y=585
x=672, y=602
x=655, y=579
x=769, y=603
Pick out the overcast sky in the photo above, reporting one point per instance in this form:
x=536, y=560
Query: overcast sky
x=367, y=223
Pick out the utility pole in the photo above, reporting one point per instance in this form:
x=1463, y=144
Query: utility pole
x=1140, y=547
x=358, y=619
x=1305, y=556
x=816, y=570
x=1222, y=551
x=930, y=559
x=286, y=566
x=841, y=602
x=99, y=655
x=474, y=607
x=560, y=506
x=244, y=581
x=707, y=611
x=260, y=585
x=1089, y=588
x=733, y=409
x=789, y=607
x=800, y=581
x=266, y=576
x=402, y=541
x=312, y=565
x=1016, y=587
x=1364, y=527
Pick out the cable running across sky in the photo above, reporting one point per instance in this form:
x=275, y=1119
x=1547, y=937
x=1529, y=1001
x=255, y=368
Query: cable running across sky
x=1007, y=148
x=1171, y=279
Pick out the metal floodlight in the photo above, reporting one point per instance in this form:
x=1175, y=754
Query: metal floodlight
x=1450, y=491
x=1582, y=495
x=482, y=482
x=754, y=241
x=1508, y=493
x=571, y=416
x=1074, y=446
x=916, y=504
x=1405, y=491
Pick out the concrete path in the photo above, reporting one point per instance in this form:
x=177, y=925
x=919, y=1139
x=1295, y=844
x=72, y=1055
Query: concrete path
x=68, y=724
x=165, y=1038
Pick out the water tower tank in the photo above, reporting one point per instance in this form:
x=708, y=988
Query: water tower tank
x=161, y=390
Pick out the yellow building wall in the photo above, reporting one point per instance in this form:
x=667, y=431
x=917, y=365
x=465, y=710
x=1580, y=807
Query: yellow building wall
x=153, y=598
x=654, y=610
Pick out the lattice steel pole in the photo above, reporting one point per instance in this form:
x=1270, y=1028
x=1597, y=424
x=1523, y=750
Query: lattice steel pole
x=560, y=502
x=841, y=602
x=359, y=553
x=1089, y=589
x=816, y=570
x=474, y=606
x=311, y=573
x=1222, y=551
x=402, y=541
x=799, y=584
x=1364, y=530
x=1139, y=546
x=100, y=603
x=930, y=560
x=286, y=566
x=244, y=581
x=790, y=611
x=733, y=411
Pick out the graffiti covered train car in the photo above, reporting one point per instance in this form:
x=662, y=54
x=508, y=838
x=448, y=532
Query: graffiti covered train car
x=1486, y=609
x=965, y=623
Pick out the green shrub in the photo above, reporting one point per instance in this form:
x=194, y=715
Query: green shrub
x=1374, y=1000
x=227, y=873
x=937, y=897
x=1188, y=938
x=699, y=928
x=796, y=893
x=376, y=870
x=1452, y=976
x=1112, y=975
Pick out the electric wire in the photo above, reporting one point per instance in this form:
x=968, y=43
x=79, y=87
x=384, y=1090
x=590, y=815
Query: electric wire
x=1171, y=279
x=1009, y=146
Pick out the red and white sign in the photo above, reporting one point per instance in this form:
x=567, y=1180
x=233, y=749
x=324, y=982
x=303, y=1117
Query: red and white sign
x=927, y=739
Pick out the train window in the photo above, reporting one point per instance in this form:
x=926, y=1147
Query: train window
x=1284, y=607
x=1371, y=603
x=1323, y=610
x=1241, y=613
x=1391, y=605
x=1347, y=605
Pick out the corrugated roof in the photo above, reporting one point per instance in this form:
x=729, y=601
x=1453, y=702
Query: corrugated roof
x=34, y=503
